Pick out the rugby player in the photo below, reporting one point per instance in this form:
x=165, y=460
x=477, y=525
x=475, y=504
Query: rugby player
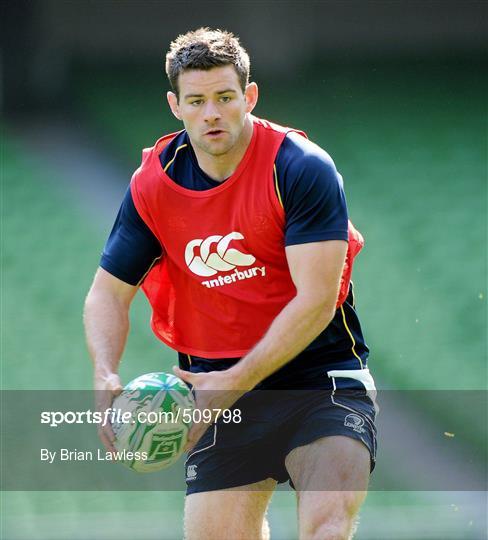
x=237, y=231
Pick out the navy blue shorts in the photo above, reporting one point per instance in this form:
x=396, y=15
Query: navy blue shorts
x=274, y=422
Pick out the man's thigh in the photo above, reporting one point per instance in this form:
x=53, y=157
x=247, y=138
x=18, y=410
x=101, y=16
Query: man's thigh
x=331, y=478
x=229, y=514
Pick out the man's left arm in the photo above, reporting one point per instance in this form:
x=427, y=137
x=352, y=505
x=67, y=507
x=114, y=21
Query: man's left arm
x=316, y=270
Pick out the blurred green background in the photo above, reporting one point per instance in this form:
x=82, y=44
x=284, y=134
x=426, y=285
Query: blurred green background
x=404, y=119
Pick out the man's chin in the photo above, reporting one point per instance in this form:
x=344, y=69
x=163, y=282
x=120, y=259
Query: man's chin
x=216, y=149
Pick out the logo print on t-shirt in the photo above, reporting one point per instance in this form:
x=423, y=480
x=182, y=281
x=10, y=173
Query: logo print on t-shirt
x=209, y=262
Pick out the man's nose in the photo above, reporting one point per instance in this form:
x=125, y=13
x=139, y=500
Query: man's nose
x=211, y=112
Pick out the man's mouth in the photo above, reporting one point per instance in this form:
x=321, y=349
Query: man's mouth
x=214, y=132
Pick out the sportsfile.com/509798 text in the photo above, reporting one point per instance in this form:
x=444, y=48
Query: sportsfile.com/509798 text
x=111, y=416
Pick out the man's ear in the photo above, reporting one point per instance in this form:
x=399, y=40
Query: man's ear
x=251, y=95
x=173, y=104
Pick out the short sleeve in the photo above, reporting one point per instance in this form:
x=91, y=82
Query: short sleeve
x=131, y=247
x=312, y=193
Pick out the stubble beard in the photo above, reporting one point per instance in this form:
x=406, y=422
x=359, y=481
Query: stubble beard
x=215, y=150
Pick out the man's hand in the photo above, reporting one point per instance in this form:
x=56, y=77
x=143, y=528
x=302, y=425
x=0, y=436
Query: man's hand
x=106, y=388
x=216, y=390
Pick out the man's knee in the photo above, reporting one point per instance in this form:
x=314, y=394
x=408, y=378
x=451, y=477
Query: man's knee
x=229, y=514
x=233, y=531
x=330, y=518
x=330, y=528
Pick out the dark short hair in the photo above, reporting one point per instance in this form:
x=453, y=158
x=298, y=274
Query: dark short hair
x=205, y=49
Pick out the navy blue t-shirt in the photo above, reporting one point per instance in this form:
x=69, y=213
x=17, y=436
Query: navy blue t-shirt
x=312, y=194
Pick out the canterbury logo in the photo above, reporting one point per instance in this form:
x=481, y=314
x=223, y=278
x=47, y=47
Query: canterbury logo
x=219, y=259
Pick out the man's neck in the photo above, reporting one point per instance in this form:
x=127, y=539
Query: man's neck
x=219, y=168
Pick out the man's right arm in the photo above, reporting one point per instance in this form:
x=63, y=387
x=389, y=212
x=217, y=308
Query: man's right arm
x=106, y=319
x=130, y=251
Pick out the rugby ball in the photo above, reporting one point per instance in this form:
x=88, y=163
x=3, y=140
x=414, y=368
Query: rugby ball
x=154, y=415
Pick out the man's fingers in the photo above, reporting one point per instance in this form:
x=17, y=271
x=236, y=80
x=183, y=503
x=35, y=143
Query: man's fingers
x=103, y=399
x=186, y=376
x=109, y=432
x=106, y=389
x=108, y=438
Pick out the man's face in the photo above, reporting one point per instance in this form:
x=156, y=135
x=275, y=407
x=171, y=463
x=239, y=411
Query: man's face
x=213, y=108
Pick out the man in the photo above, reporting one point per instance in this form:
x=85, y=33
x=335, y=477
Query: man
x=237, y=231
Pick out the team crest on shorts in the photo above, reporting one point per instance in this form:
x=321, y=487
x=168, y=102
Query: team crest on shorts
x=191, y=472
x=355, y=422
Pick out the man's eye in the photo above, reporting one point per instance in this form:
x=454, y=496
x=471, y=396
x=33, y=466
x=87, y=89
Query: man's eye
x=196, y=102
x=225, y=99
